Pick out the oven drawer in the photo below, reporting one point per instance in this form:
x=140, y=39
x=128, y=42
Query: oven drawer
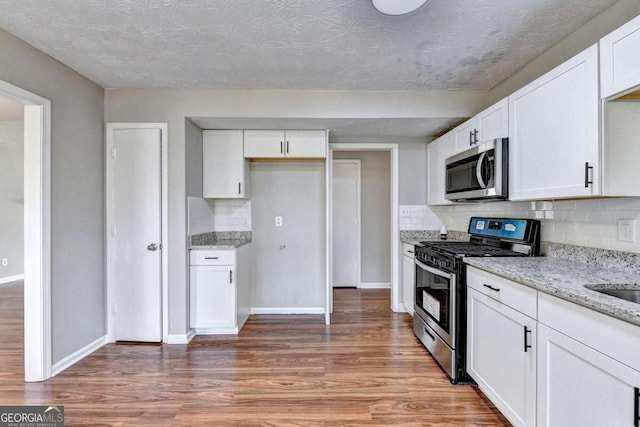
x=443, y=354
x=514, y=295
x=213, y=257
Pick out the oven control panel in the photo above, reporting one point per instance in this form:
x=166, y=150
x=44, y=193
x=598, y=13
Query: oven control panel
x=512, y=229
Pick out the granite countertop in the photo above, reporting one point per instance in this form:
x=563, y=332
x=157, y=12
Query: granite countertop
x=220, y=240
x=566, y=279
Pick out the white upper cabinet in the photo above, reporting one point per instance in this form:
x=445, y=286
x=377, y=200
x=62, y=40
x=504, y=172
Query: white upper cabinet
x=554, y=133
x=225, y=172
x=437, y=152
x=620, y=59
x=295, y=144
x=489, y=124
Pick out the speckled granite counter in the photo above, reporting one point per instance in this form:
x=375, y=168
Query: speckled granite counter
x=566, y=279
x=220, y=240
x=414, y=237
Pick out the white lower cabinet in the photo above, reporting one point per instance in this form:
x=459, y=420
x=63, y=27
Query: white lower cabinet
x=579, y=386
x=408, y=277
x=588, y=367
x=501, y=356
x=219, y=287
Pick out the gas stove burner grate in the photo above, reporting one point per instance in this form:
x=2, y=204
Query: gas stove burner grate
x=469, y=249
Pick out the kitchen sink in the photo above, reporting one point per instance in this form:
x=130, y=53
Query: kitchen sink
x=625, y=292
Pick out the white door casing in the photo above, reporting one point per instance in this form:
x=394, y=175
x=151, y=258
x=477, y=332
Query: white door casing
x=136, y=225
x=396, y=303
x=346, y=223
x=37, y=231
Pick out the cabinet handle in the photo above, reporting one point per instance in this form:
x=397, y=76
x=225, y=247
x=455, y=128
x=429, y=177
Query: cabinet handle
x=211, y=257
x=410, y=252
x=475, y=136
x=287, y=147
x=470, y=138
x=636, y=407
x=230, y=276
x=491, y=287
x=526, y=341
x=239, y=188
x=281, y=151
x=586, y=175
x=426, y=331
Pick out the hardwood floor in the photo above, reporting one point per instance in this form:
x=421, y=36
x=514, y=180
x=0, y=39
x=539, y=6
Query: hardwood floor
x=365, y=369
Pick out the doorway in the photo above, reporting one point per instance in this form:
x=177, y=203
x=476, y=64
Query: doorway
x=393, y=237
x=136, y=232
x=37, y=230
x=346, y=223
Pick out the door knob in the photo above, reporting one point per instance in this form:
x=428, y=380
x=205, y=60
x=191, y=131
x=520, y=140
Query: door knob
x=152, y=247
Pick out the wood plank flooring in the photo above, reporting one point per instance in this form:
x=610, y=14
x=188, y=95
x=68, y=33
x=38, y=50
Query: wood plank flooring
x=366, y=369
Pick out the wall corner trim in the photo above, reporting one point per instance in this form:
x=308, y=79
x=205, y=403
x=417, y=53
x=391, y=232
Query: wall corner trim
x=181, y=338
x=78, y=355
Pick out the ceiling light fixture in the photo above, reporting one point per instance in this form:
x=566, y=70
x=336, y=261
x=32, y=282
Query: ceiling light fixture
x=398, y=7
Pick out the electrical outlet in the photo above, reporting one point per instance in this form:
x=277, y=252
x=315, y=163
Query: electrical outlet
x=5, y=262
x=627, y=230
x=278, y=221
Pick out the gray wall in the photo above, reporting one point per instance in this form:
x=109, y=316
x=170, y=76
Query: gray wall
x=293, y=276
x=172, y=106
x=12, y=197
x=193, y=142
x=412, y=164
x=375, y=187
x=77, y=191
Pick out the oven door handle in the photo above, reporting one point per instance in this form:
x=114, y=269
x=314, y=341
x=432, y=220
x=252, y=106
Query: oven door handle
x=481, y=160
x=437, y=272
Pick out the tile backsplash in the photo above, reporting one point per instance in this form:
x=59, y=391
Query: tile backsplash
x=207, y=215
x=418, y=217
x=591, y=223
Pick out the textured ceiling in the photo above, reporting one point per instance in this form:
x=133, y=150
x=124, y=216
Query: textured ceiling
x=294, y=44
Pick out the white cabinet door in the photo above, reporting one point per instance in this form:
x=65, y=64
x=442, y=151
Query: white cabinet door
x=264, y=143
x=408, y=283
x=301, y=144
x=498, y=356
x=437, y=152
x=225, y=172
x=493, y=122
x=554, y=132
x=619, y=59
x=581, y=387
x=465, y=136
x=213, y=297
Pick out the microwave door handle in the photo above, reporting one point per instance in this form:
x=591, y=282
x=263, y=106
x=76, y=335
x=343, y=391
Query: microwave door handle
x=479, y=170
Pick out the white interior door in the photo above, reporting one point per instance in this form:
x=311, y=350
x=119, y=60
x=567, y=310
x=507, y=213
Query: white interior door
x=136, y=234
x=346, y=223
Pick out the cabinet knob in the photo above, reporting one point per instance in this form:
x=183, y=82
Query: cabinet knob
x=152, y=247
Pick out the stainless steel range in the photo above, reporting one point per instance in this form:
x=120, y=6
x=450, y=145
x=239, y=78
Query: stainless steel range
x=441, y=291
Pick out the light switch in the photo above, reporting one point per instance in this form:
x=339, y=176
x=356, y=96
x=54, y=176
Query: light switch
x=278, y=221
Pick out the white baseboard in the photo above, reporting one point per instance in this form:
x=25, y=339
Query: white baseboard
x=181, y=338
x=217, y=331
x=77, y=356
x=10, y=279
x=287, y=310
x=375, y=286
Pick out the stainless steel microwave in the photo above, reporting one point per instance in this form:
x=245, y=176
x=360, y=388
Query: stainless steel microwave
x=479, y=173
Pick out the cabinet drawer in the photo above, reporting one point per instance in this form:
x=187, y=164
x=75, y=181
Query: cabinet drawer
x=213, y=257
x=514, y=295
x=408, y=250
